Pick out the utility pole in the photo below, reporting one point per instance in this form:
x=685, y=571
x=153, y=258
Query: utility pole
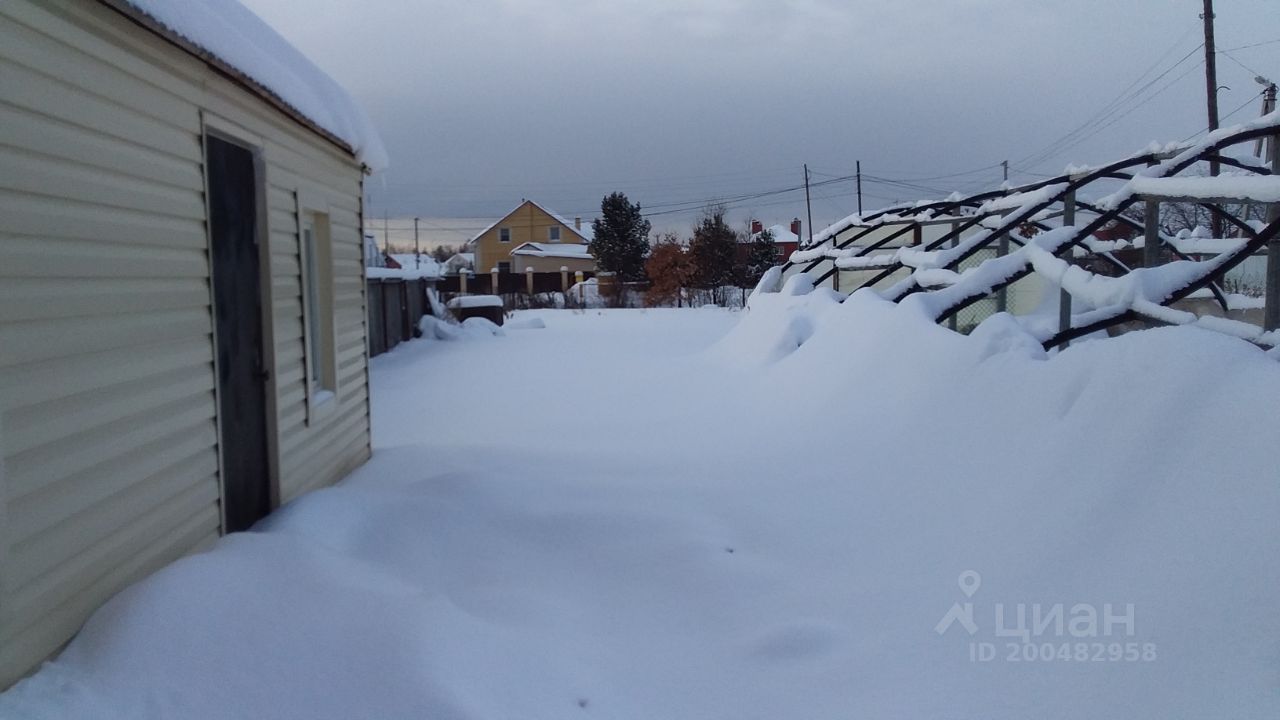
x=808, y=207
x=859, y=168
x=417, y=249
x=1005, y=165
x=1210, y=69
x=1211, y=87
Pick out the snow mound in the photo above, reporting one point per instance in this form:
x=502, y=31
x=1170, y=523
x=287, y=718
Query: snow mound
x=433, y=328
x=778, y=321
x=525, y=323
x=481, y=327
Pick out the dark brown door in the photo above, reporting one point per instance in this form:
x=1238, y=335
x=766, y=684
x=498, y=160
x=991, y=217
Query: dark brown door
x=237, y=299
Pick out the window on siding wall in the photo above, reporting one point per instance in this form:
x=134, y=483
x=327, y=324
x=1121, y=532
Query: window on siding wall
x=504, y=234
x=553, y=233
x=316, y=255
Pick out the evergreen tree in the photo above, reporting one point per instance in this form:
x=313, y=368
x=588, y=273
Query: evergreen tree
x=761, y=255
x=713, y=247
x=620, y=238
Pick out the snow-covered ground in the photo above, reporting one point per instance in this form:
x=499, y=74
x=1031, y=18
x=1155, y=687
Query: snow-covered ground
x=803, y=510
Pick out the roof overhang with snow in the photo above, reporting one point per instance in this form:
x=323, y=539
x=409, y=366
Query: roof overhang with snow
x=567, y=250
x=239, y=45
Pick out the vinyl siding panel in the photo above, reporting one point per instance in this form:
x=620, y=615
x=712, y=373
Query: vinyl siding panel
x=108, y=419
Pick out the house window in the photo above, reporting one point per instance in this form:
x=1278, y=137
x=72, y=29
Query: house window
x=553, y=233
x=316, y=255
x=504, y=267
x=504, y=234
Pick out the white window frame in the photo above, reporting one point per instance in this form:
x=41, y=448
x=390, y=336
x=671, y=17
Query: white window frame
x=553, y=234
x=319, y=332
x=504, y=235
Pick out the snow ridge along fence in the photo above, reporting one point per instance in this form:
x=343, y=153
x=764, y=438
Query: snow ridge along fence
x=1091, y=239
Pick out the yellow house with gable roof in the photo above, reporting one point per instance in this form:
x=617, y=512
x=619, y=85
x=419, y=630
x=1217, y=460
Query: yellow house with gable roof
x=527, y=224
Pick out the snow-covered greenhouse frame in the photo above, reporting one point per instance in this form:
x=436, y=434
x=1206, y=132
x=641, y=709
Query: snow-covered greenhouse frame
x=174, y=173
x=946, y=255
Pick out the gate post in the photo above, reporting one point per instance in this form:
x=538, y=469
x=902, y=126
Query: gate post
x=1064, y=297
x=1271, y=314
x=462, y=281
x=564, y=279
x=1151, y=233
x=1002, y=249
x=528, y=281
x=954, y=321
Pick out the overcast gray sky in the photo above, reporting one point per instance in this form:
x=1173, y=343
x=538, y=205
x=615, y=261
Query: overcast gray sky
x=484, y=102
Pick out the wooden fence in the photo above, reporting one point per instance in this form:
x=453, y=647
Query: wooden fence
x=395, y=306
x=508, y=283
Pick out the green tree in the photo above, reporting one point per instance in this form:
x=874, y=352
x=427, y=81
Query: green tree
x=713, y=247
x=620, y=238
x=762, y=254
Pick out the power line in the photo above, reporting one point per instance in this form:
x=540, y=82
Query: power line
x=728, y=202
x=931, y=177
x=1242, y=106
x=1233, y=59
x=1136, y=106
x=1135, y=102
x=1253, y=45
x=1132, y=92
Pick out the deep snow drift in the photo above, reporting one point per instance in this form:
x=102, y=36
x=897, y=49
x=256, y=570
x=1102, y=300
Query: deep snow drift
x=619, y=516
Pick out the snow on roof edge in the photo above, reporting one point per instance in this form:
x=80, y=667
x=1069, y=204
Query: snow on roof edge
x=560, y=250
x=232, y=34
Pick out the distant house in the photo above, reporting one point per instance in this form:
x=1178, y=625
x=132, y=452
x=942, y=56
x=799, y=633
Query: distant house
x=552, y=257
x=787, y=239
x=183, y=338
x=459, y=262
x=528, y=223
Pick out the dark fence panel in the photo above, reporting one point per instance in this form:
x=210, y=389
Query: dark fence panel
x=548, y=282
x=393, y=323
x=395, y=306
x=377, y=310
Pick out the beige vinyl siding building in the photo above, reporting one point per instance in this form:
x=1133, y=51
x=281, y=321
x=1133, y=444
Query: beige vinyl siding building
x=119, y=450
